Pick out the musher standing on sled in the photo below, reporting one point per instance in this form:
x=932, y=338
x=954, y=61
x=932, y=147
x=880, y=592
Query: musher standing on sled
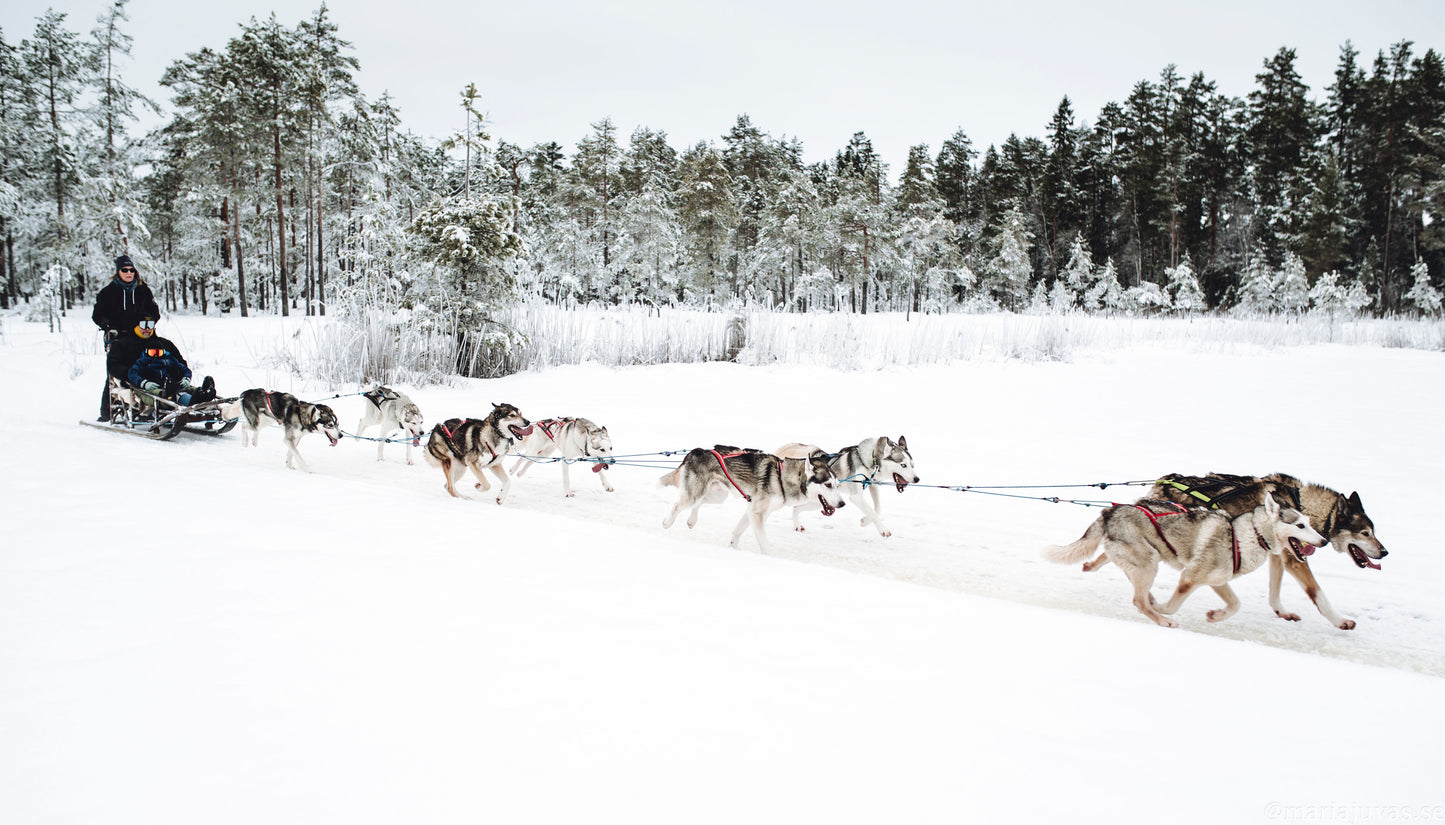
x=119, y=308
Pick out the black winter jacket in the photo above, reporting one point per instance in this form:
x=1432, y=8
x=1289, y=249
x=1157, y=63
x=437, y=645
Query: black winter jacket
x=120, y=307
x=126, y=350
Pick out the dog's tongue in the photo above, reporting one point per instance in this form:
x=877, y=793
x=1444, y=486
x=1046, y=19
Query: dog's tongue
x=597, y=468
x=900, y=481
x=827, y=508
x=523, y=432
x=1371, y=564
x=333, y=439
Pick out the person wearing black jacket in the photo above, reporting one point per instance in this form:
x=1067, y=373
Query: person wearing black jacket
x=164, y=373
x=119, y=308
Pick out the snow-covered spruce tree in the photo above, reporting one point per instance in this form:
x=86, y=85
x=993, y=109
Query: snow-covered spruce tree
x=1105, y=292
x=470, y=242
x=1006, y=277
x=1147, y=298
x=1422, y=295
x=1294, y=286
x=1259, y=287
x=1184, y=289
x=1078, y=274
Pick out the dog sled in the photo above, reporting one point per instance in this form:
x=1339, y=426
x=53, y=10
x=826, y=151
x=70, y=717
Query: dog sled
x=134, y=411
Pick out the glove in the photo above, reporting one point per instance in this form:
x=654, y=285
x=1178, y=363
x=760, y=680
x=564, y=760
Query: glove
x=186, y=384
x=111, y=335
x=151, y=387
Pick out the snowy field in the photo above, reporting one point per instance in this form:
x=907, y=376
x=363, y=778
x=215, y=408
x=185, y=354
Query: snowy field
x=190, y=633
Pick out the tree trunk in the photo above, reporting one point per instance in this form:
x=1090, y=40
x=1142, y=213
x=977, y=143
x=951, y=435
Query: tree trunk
x=280, y=221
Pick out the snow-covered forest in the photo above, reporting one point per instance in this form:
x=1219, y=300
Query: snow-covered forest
x=276, y=186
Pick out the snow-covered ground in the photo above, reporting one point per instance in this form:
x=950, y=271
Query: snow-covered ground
x=189, y=632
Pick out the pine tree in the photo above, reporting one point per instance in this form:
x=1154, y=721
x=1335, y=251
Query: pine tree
x=708, y=209
x=1183, y=288
x=1424, y=296
x=1294, y=287
x=1007, y=277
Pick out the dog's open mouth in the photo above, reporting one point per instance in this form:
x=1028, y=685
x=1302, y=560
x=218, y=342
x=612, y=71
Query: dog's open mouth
x=1300, y=549
x=1361, y=560
x=600, y=464
x=333, y=438
x=521, y=432
x=828, y=509
x=900, y=481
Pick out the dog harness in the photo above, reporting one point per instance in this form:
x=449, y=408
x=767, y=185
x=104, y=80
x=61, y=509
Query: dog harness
x=721, y=462
x=1209, y=492
x=1238, y=557
x=1154, y=520
x=267, y=395
x=452, y=440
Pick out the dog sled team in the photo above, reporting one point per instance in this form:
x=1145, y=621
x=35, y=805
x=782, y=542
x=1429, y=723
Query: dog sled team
x=1212, y=528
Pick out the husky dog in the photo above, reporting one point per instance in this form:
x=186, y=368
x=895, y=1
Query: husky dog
x=1341, y=520
x=295, y=416
x=391, y=410
x=765, y=481
x=1207, y=546
x=457, y=445
x=868, y=464
x=576, y=438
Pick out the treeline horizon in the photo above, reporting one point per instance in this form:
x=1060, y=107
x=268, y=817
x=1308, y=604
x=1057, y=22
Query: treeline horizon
x=276, y=185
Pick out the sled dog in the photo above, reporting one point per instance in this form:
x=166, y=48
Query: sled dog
x=297, y=417
x=392, y=411
x=1206, y=546
x=1340, y=519
x=458, y=444
x=575, y=438
x=765, y=481
x=868, y=464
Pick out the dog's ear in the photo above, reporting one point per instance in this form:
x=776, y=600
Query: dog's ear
x=880, y=450
x=1355, y=502
x=1271, y=507
x=903, y=442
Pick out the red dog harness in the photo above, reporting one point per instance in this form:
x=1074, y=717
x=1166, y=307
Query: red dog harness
x=1154, y=519
x=721, y=462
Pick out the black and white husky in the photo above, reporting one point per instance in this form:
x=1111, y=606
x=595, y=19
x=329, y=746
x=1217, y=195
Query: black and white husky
x=260, y=407
x=1206, y=546
x=868, y=464
x=459, y=444
x=765, y=481
x=392, y=411
x=575, y=438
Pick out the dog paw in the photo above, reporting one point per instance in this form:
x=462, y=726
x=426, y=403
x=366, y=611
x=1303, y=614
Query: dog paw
x=887, y=534
x=609, y=489
x=799, y=528
x=571, y=495
x=1217, y=615
x=1167, y=622
x=1347, y=624
x=1289, y=617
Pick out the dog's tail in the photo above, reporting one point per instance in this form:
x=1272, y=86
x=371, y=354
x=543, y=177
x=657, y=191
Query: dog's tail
x=670, y=480
x=1084, y=548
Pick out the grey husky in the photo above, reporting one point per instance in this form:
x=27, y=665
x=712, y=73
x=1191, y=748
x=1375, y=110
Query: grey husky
x=1207, y=546
x=868, y=464
x=296, y=417
x=458, y=444
x=765, y=481
x=575, y=438
x=392, y=411
x=1340, y=519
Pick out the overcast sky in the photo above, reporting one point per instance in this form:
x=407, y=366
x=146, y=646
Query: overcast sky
x=905, y=72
